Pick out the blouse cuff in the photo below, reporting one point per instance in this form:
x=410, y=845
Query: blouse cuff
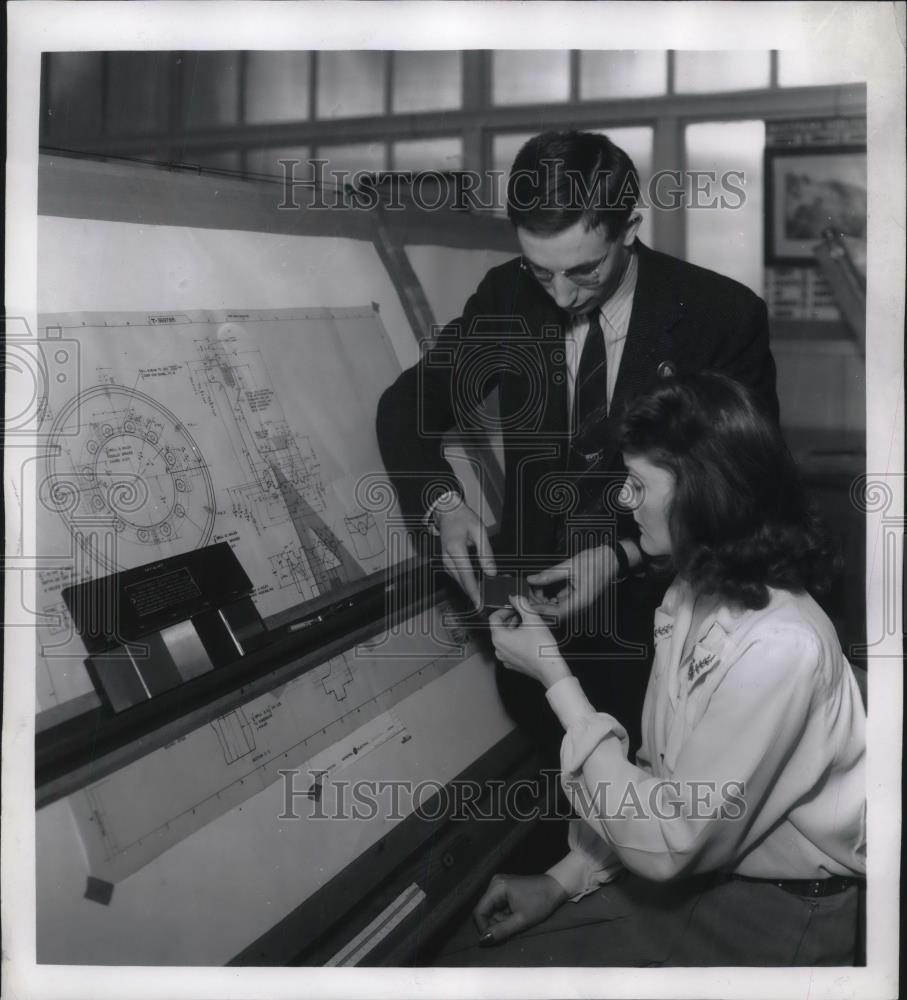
x=570, y=871
x=578, y=877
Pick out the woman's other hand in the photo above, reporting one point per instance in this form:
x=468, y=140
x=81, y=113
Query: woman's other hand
x=523, y=642
x=513, y=903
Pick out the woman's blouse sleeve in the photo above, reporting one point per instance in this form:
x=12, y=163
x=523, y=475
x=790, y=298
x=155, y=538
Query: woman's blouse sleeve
x=589, y=863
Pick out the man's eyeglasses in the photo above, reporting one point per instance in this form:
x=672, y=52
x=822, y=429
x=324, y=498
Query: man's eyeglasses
x=583, y=275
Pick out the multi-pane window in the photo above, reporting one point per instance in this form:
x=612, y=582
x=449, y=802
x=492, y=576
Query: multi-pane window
x=724, y=198
x=709, y=72
x=349, y=159
x=604, y=75
x=277, y=86
x=74, y=97
x=428, y=154
x=350, y=84
x=533, y=76
x=492, y=100
x=138, y=91
x=211, y=89
x=427, y=81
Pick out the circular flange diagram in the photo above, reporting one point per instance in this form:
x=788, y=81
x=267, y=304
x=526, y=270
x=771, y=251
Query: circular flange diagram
x=121, y=461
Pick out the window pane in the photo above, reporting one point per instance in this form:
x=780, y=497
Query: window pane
x=74, y=97
x=350, y=83
x=427, y=81
x=701, y=72
x=267, y=161
x=211, y=85
x=622, y=74
x=726, y=239
x=137, y=92
x=810, y=67
x=350, y=159
x=429, y=154
x=528, y=77
x=277, y=86
x=505, y=147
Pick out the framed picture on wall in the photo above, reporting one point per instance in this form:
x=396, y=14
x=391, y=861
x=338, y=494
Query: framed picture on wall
x=809, y=190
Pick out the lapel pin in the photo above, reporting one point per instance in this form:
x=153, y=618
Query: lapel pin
x=666, y=370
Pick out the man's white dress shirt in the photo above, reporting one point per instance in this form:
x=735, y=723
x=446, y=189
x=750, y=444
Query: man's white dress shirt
x=615, y=322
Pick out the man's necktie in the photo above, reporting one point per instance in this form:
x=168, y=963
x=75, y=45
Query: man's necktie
x=590, y=391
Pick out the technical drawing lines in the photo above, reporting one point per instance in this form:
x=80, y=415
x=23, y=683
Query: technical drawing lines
x=328, y=558
x=366, y=536
x=120, y=459
x=234, y=384
x=335, y=677
x=234, y=732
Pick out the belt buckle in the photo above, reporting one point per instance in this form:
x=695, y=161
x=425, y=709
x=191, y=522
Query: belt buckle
x=811, y=889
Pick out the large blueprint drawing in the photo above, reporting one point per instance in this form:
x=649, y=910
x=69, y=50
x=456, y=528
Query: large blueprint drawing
x=170, y=431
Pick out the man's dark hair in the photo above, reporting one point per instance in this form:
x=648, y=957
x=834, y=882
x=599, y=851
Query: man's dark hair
x=561, y=178
x=739, y=520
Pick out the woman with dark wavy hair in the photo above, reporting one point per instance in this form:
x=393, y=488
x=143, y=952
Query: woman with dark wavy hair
x=737, y=837
x=739, y=520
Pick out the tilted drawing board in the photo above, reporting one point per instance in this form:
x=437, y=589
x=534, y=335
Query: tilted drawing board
x=228, y=363
x=214, y=362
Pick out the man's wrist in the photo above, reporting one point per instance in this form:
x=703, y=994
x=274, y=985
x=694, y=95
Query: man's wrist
x=445, y=503
x=623, y=563
x=635, y=555
x=629, y=559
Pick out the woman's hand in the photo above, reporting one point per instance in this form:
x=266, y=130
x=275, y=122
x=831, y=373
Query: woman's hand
x=528, y=645
x=513, y=903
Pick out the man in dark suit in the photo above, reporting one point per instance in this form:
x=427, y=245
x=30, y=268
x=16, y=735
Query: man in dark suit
x=569, y=333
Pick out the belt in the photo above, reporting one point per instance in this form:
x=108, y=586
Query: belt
x=810, y=888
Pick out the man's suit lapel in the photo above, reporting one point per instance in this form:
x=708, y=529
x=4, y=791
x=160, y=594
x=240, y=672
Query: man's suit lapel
x=657, y=307
x=534, y=374
x=549, y=332
x=534, y=387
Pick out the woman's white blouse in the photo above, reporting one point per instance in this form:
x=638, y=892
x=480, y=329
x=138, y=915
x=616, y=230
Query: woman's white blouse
x=752, y=758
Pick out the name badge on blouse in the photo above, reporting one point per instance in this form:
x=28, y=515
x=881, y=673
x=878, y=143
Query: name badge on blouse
x=706, y=654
